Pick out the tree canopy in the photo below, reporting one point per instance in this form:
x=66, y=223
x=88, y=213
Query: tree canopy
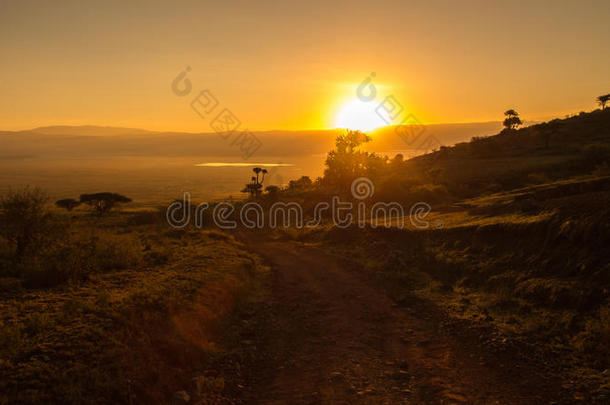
x=103, y=202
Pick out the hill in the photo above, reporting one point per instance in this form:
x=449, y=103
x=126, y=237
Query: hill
x=537, y=154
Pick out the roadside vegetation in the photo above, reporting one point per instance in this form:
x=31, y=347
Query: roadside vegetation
x=516, y=249
x=119, y=308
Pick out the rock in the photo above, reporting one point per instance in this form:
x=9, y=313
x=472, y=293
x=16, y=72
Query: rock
x=181, y=398
x=198, y=386
x=336, y=375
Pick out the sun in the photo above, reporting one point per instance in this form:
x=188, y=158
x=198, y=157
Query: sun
x=360, y=115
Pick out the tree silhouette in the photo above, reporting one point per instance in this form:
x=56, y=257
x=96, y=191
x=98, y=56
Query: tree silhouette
x=257, y=170
x=512, y=120
x=255, y=186
x=272, y=191
x=264, y=171
x=346, y=162
x=602, y=100
x=24, y=219
x=67, y=203
x=103, y=202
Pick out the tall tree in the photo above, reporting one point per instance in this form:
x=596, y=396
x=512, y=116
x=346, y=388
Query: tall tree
x=602, y=100
x=512, y=120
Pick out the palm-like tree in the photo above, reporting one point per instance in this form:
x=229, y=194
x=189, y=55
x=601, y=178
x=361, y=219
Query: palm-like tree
x=257, y=170
x=255, y=187
x=264, y=171
x=602, y=100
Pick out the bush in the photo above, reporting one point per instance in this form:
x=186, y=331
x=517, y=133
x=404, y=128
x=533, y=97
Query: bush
x=430, y=193
x=140, y=218
x=24, y=220
x=74, y=258
x=45, y=252
x=595, y=155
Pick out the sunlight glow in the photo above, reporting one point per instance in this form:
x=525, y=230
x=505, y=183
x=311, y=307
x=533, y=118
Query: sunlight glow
x=221, y=164
x=360, y=115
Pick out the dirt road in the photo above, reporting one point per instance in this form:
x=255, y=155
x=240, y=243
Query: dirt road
x=335, y=339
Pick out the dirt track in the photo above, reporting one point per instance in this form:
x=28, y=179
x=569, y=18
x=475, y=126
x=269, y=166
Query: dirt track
x=336, y=339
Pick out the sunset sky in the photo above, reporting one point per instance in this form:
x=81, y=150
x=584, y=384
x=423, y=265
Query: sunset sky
x=289, y=65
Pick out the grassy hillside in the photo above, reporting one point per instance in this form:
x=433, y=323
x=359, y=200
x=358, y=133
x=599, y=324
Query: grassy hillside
x=516, y=252
x=537, y=154
x=130, y=312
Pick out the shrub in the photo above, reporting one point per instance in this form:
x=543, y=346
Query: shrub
x=67, y=203
x=24, y=219
x=430, y=193
x=147, y=217
x=596, y=154
x=75, y=257
x=10, y=339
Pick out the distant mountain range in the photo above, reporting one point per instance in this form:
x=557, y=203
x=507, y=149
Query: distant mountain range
x=88, y=130
x=89, y=140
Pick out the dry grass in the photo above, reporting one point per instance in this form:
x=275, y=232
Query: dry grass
x=136, y=329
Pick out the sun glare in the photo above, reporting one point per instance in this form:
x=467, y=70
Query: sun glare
x=360, y=115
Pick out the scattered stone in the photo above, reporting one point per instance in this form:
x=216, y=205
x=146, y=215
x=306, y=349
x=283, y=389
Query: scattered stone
x=336, y=375
x=181, y=398
x=197, y=386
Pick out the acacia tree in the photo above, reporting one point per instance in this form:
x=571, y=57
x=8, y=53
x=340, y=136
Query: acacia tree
x=24, y=219
x=346, y=162
x=602, y=100
x=103, y=202
x=67, y=203
x=512, y=120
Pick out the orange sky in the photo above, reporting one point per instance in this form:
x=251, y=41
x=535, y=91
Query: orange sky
x=283, y=65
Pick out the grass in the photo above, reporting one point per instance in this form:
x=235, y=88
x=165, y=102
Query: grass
x=535, y=275
x=136, y=330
